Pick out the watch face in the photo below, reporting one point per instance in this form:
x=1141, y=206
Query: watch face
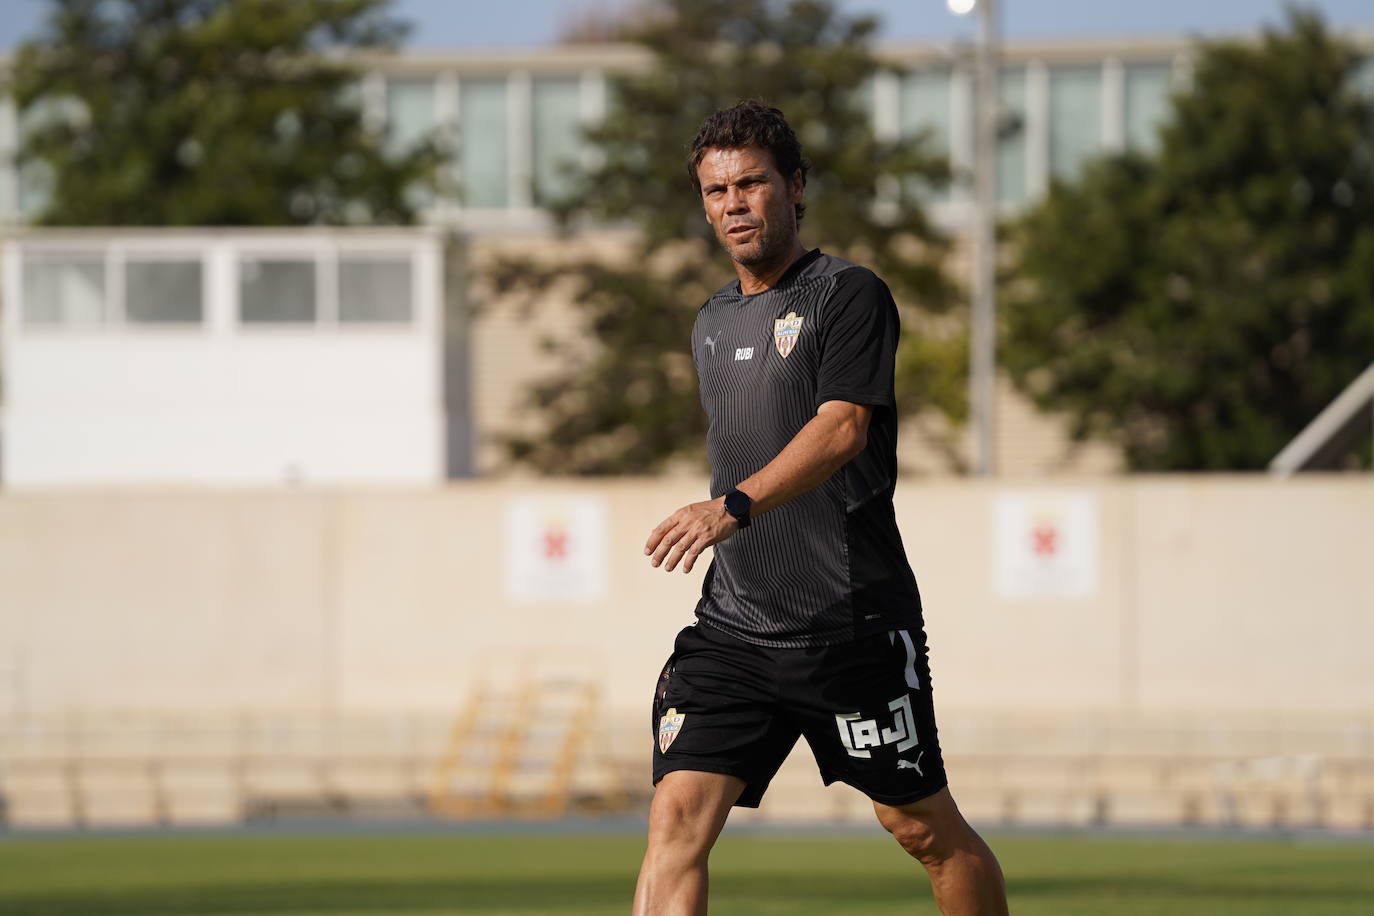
x=737, y=504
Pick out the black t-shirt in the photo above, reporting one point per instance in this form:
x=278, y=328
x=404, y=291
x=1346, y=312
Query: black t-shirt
x=826, y=567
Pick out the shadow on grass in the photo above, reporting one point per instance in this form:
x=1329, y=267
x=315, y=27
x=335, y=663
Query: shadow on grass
x=506, y=895
x=821, y=892
x=1191, y=887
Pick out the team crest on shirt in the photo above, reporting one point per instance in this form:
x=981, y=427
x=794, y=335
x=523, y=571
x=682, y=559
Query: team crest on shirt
x=785, y=333
x=668, y=728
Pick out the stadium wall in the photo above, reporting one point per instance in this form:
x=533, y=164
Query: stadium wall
x=1241, y=595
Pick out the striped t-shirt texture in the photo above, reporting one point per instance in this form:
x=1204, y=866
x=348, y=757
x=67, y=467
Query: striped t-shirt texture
x=827, y=567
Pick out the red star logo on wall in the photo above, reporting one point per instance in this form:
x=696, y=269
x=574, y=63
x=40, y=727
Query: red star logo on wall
x=555, y=544
x=1044, y=540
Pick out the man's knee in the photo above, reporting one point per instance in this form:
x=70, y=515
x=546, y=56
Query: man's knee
x=918, y=837
x=678, y=818
x=689, y=810
x=930, y=830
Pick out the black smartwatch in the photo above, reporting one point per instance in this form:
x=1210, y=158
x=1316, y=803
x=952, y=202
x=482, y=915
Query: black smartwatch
x=737, y=503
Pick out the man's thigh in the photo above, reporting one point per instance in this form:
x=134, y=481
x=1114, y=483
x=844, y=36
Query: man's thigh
x=715, y=711
x=866, y=710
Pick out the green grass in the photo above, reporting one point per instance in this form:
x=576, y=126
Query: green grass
x=591, y=875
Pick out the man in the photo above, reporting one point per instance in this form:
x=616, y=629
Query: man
x=809, y=622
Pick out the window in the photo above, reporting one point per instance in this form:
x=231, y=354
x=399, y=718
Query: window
x=375, y=289
x=865, y=98
x=557, y=136
x=36, y=176
x=1075, y=117
x=1363, y=77
x=483, y=144
x=276, y=290
x=9, y=188
x=64, y=289
x=1147, y=103
x=36, y=179
x=410, y=114
x=1011, y=149
x=925, y=107
x=162, y=292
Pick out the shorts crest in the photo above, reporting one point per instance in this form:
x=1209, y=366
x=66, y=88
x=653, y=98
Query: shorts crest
x=668, y=728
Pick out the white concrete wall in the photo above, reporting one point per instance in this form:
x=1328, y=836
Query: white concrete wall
x=1243, y=596
x=221, y=402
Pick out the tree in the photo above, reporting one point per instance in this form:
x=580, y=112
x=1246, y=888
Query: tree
x=631, y=403
x=211, y=112
x=1200, y=306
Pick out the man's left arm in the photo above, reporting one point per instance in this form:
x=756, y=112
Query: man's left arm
x=837, y=433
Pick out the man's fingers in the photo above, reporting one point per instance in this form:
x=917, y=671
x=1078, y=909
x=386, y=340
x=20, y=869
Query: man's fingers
x=657, y=534
x=687, y=545
x=679, y=549
x=671, y=537
x=693, y=550
x=691, y=558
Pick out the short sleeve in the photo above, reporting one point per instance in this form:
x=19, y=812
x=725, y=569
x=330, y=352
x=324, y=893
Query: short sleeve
x=858, y=341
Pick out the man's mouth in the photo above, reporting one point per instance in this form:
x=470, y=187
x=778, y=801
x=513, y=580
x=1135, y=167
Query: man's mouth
x=739, y=230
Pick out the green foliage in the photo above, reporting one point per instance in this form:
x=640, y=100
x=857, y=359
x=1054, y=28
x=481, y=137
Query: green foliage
x=1201, y=306
x=631, y=406
x=210, y=113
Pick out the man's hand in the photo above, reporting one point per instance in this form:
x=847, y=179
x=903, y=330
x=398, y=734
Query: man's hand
x=682, y=536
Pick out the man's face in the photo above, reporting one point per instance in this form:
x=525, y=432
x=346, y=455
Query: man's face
x=749, y=203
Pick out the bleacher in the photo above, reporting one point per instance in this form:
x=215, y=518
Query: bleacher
x=1194, y=771
x=544, y=748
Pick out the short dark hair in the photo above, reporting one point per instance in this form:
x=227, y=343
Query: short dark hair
x=750, y=123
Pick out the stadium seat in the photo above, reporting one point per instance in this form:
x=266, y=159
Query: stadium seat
x=196, y=791
x=378, y=778
x=118, y=793
x=983, y=805
x=272, y=784
x=1142, y=808
x=38, y=793
x=798, y=796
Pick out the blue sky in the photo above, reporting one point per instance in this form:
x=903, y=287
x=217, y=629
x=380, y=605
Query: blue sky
x=468, y=23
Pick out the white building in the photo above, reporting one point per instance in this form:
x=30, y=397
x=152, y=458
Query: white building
x=207, y=357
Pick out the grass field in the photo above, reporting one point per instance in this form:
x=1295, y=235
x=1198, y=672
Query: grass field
x=582, y=875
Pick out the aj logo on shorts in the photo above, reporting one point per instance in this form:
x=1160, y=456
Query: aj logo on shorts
x=668, y=728
x=859, y=734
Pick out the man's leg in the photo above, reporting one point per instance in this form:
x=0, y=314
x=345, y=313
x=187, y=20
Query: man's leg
x=963, y=871
x=688, y=811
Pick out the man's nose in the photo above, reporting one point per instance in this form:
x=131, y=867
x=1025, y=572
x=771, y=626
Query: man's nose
x=735, y=201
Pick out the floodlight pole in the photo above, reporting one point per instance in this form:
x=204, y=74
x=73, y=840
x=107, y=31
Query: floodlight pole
x=983, y=330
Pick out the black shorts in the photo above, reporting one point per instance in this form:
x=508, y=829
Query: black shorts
x=727, y=706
